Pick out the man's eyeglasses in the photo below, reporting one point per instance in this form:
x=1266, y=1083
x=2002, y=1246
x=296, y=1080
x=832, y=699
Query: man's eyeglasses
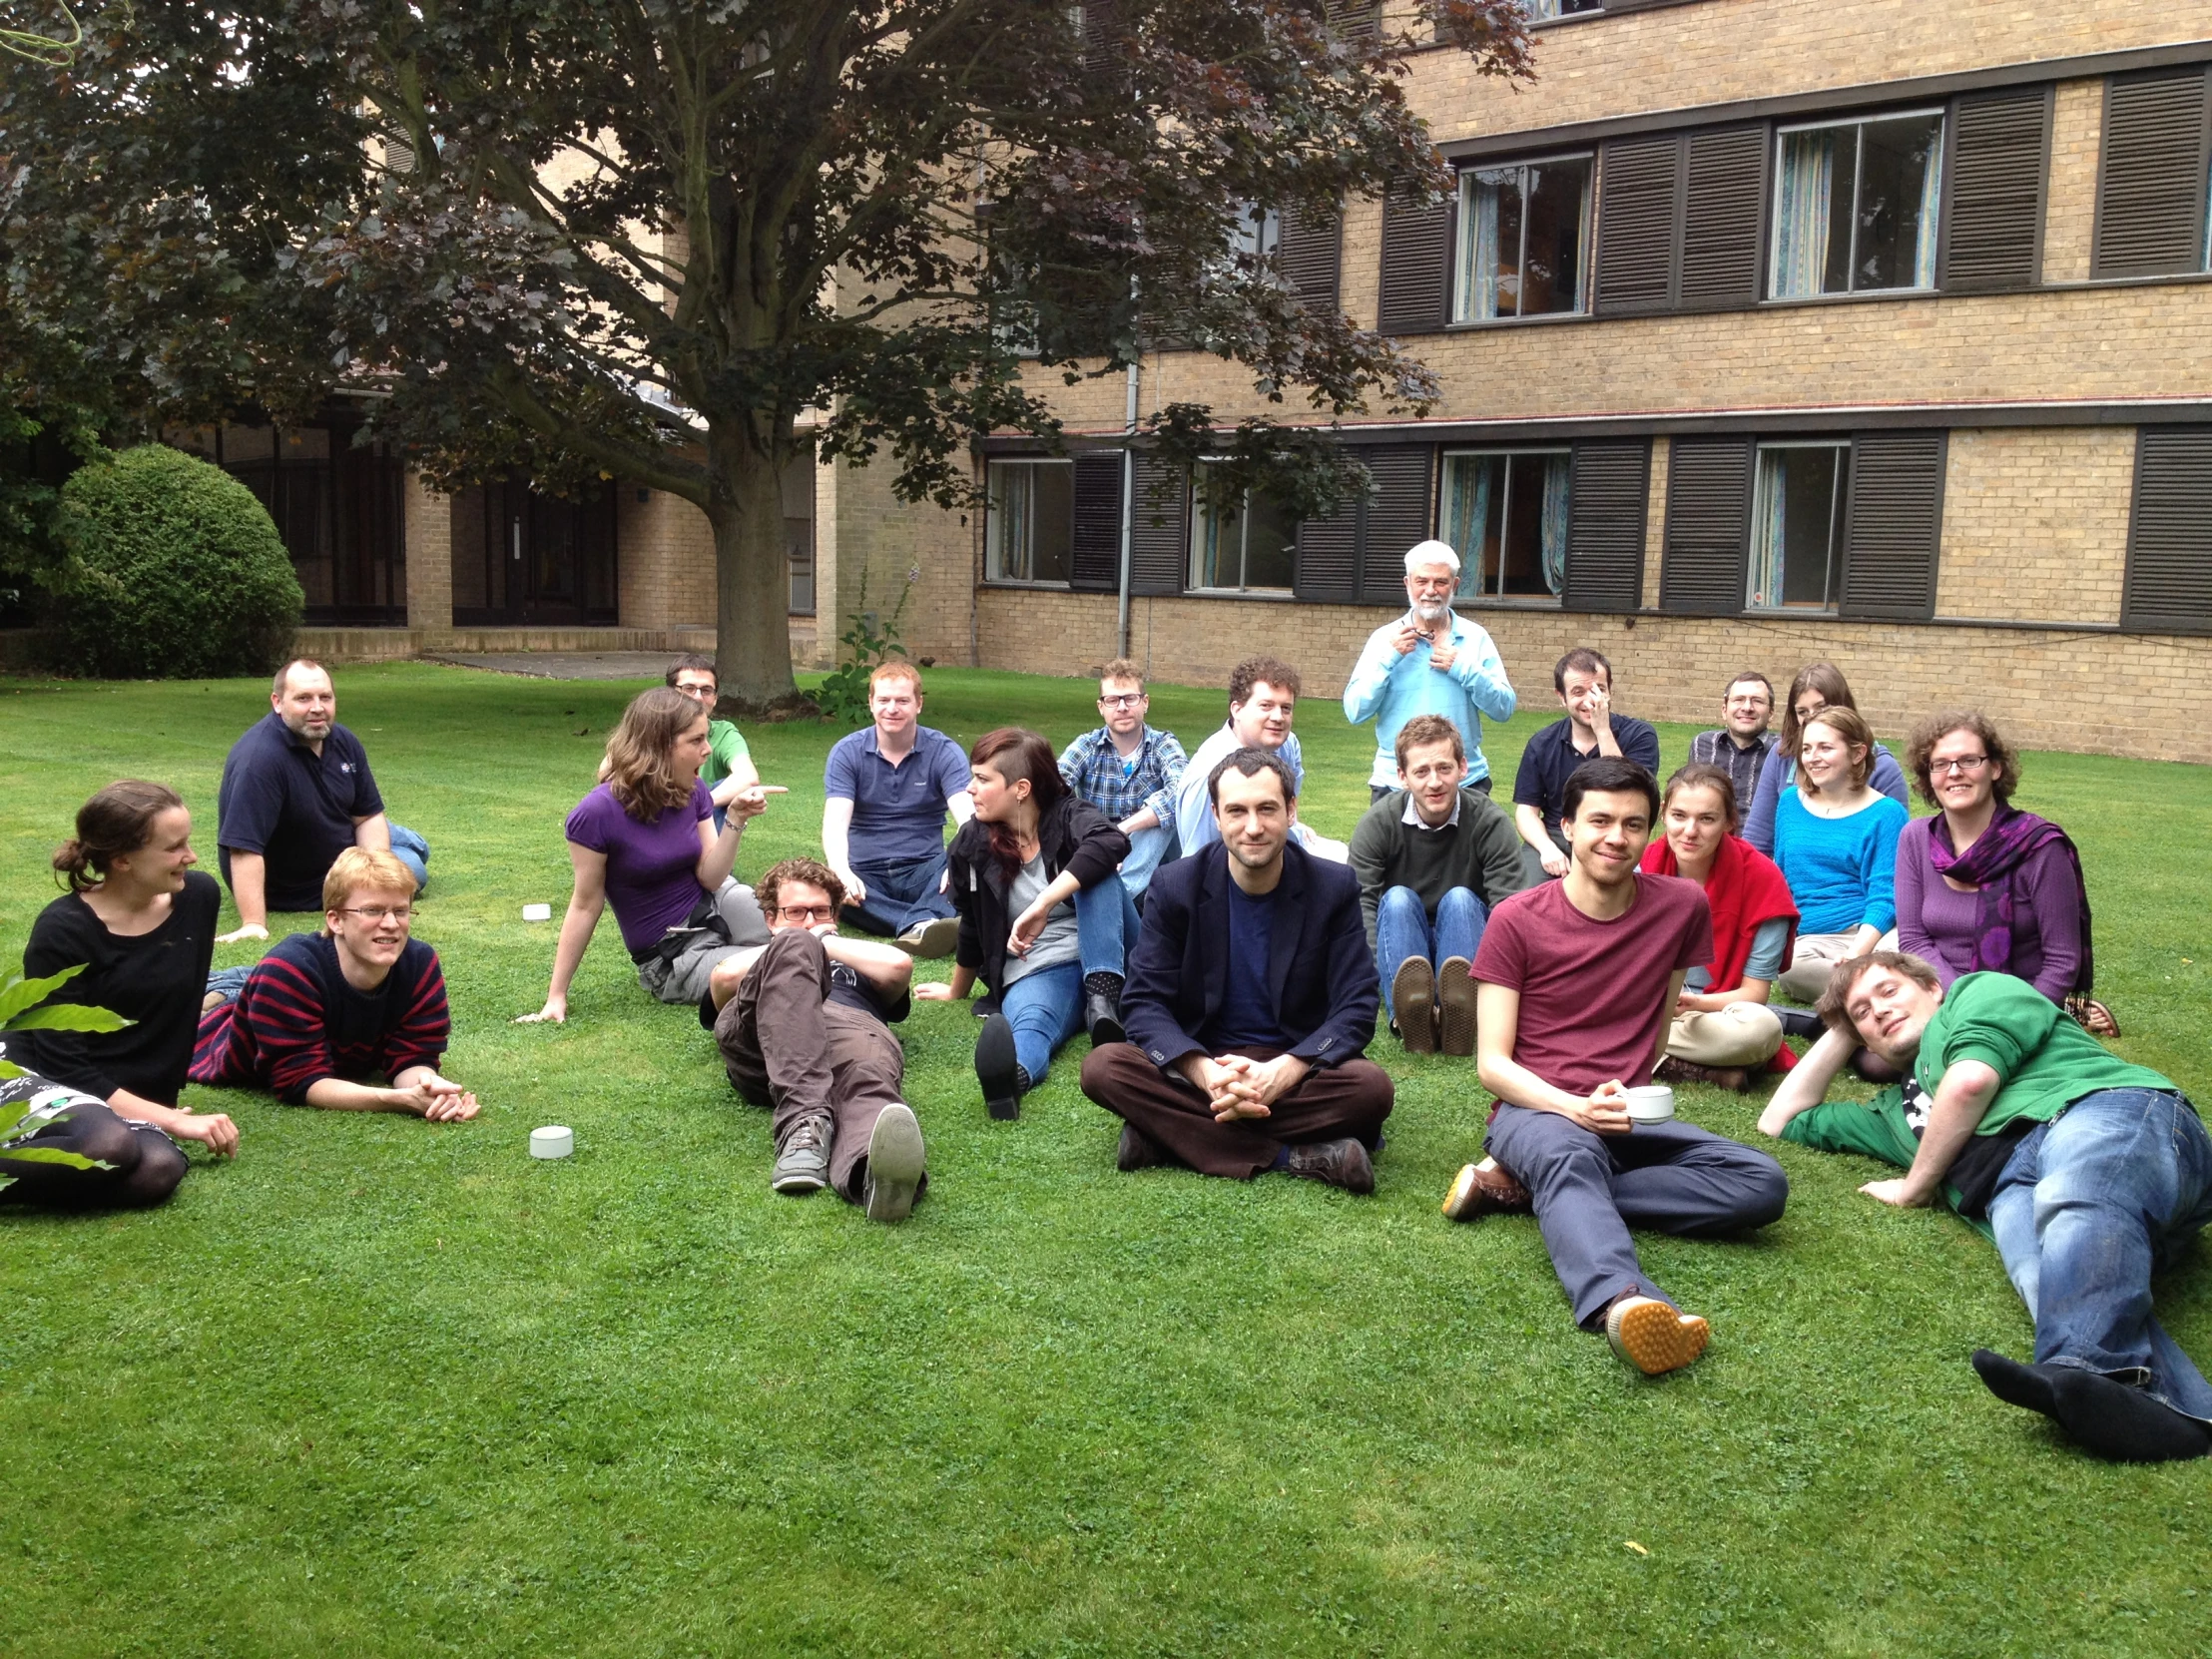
x=375, y=913
x=808, y=915
x=1123, y=700
x=1963, y=765
x=699, y=694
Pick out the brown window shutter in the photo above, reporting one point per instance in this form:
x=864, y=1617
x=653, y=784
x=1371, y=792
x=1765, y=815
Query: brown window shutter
x=1638, y=215
x=2168, y=589
x=2150, y=193
x=1893, y=525
x=1359, y=19
x=1101, y=35
x=1310, y=256
x=1329, y=556
x=1097, y=563
x=1416, y=243
x=1707, y=526
x=1994, y=186
x=1723, y=213
x=1608, y=487
x=1159, y=527
x=1401, y=508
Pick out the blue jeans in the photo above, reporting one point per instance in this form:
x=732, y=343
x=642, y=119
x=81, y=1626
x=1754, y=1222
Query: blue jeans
x=1403, y=929
x=413, y=852
x=1045, y=1005
x=1146, y=849
x=901, y=893
x=2090, y=1205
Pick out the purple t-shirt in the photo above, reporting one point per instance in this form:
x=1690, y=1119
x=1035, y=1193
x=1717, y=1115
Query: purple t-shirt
x=652, y=869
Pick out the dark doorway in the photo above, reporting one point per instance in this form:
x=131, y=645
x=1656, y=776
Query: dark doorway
x=522, y=557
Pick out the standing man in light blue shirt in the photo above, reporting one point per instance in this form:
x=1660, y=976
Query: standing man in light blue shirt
x=1428, y=662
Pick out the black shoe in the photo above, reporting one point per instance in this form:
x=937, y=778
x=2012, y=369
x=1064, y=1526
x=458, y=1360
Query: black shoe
x=1102, y=1009
x=2028, y=1387
x=707, y=1012
x=1137, y=1151
x=2102, y=1416
x=1339, y=1163
x=1800, y=1022
x=1003, y=1080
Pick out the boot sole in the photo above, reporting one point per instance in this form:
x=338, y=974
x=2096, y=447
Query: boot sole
x=1413, y=1002
x=1655, y=1339
x=1455, y=994
x=894, y=1164
x=933, y=941
x=994, y=1068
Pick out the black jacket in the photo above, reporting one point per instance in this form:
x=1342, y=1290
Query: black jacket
x=1074, y=836
x=1320, y=975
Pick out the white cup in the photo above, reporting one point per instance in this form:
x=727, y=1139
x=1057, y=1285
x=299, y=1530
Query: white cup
x=537, y=912
x=553, y=1141
x=1653, y=1103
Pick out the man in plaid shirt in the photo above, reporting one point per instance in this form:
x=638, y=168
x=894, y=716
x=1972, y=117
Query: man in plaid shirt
x=1128, y=771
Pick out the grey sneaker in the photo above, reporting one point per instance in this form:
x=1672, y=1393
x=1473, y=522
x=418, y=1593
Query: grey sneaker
x=930, y=940
x=894, y=1165
x=803, y=1161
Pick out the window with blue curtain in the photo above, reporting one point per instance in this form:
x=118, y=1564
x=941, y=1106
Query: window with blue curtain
x=1524, y=233
x=1797, y=526
x=1243, y=544
x=1505, y=515
x=1855, y=204
x=1029, y=526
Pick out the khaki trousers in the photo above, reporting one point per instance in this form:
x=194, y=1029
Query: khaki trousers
x=1806, y=975
x=1741, y=1034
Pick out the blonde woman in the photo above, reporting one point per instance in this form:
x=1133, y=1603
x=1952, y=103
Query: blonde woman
x=643, y=841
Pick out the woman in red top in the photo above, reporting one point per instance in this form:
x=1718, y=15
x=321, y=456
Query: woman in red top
x=1723, y=1030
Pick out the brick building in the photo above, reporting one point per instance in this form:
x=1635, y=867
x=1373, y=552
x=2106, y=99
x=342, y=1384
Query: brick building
x=1768, y=331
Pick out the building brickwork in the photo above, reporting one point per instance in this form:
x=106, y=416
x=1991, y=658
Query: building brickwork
x=429, y=544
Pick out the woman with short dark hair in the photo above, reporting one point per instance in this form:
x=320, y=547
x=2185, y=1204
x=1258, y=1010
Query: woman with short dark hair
x=1044, y=921
x=1983, y=885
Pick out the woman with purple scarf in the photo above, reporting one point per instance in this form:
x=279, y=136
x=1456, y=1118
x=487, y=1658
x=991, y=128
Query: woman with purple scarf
x=1983, y=885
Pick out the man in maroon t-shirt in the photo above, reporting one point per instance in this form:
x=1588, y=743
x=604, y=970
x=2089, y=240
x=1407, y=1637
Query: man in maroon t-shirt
x=1577, y=981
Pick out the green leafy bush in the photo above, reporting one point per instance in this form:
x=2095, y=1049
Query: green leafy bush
x=173, y=570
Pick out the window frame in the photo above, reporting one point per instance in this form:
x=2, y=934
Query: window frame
x=1459, y=252
x=1502, y=601
x=994, y=468
x=1931, y=233
x=1201, y=509
x=1839, y=518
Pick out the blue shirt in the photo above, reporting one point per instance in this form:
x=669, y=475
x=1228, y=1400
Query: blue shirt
x=898, y=811
x=1194, y=807
x=1887, y=777
x=1390, y=690
x=1247, y=1017
x=1550, y=758
x=1843, y=871
x=294, y=806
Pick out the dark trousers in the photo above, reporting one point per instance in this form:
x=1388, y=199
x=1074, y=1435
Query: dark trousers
x=1329, y=1103
x=901, y=893
x=1590, y=1189
x=788, y=1048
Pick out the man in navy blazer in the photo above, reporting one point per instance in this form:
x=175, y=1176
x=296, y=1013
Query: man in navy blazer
x=1250, y=1001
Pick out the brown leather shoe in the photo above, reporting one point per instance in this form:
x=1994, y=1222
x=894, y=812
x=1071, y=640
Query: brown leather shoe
x=1339, y=1163
x=1414, y=1004
x=1484, y=1189
x=1671, y=1070
x=1455, y=992
x=1137, y=1151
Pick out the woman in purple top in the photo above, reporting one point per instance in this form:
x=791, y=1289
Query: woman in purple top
x=1983, y=885
x=644, y=842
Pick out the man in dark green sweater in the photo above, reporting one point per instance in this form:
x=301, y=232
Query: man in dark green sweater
x=1433, y=859
x=2087, y=1170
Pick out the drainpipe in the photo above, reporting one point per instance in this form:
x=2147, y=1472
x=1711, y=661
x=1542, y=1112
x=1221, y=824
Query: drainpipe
x=1128, y=507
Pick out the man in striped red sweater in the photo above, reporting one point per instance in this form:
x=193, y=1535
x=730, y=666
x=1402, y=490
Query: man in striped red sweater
x=324, y=1013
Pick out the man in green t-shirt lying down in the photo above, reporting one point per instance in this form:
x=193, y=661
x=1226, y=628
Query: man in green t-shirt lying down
x=2087, y=1171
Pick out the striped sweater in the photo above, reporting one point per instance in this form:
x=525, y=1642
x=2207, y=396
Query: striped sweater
x=297, y=1021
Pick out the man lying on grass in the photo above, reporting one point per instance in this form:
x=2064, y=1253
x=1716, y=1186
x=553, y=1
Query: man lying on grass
x=802, y=1028
x=1576, y=983
x=2088, y=1171
x=323, y=1014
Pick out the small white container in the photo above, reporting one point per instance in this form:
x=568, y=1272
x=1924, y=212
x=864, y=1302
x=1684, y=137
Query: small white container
x=537, y=912
x=1653, y=1103
x=553, y=1141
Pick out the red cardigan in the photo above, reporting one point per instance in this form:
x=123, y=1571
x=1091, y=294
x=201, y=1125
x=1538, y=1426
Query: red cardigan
x=1744, y=890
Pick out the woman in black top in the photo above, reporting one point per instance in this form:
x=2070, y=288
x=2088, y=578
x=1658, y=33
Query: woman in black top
x=142, y=920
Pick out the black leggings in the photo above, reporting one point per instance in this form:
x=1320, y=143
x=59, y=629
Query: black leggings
x=144, y=1165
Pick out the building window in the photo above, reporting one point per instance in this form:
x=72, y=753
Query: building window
x=1538, y=10
x=1797, y=526
x=1505, y=514
x=1855, y=206
x=1523, y=234
x=1257, y=233
x=1248, y=544
x=1029, y=532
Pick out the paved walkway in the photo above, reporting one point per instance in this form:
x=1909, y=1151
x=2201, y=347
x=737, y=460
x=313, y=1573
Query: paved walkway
x=566, y=665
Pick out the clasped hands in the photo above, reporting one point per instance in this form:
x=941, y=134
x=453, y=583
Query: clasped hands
x=1443, y=653
x=1237, y=1086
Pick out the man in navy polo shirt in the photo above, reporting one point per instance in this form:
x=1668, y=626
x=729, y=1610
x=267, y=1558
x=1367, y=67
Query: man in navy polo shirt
x=1588, y=731
x=886, y=790
x=296, y=791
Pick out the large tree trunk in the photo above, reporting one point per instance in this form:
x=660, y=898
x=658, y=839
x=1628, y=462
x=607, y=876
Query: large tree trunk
x=753, y=655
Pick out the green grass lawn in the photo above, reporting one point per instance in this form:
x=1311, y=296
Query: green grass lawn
x=384, y=1387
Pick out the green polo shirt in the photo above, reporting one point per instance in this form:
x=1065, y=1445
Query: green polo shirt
x=725, y=748
x=2044, y=1062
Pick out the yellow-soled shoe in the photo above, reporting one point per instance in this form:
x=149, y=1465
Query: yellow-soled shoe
x=1652, y=1336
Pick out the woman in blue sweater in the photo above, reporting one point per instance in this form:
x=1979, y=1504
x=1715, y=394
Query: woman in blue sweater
x=1836, y=838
